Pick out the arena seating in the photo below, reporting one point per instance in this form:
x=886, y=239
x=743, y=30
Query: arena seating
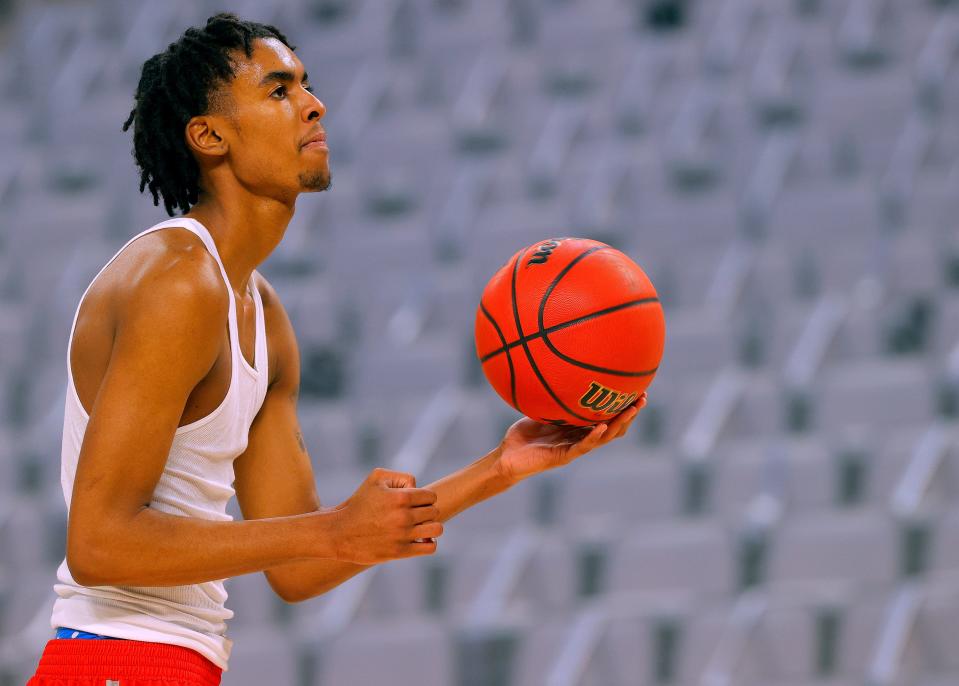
x=785, y=510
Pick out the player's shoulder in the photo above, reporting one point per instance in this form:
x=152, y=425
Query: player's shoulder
x=173, y=270
x=267, y=292
x=271, y=300
x=273, y=309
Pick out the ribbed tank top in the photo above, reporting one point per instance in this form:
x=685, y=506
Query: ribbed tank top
x=197, y=481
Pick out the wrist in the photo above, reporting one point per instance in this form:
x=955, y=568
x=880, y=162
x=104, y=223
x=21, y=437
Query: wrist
x=325, y=537
x=502, y=478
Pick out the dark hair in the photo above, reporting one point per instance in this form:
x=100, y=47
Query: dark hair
x=176, y=85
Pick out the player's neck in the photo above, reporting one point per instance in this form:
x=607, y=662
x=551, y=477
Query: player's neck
x=245, y=229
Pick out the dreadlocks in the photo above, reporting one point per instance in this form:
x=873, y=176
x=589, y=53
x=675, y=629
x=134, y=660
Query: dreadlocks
x=176, y=85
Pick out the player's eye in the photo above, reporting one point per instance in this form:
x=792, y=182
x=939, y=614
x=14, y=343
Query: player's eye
x=281, y=90
x=308, y=88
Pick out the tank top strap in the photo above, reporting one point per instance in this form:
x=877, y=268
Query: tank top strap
x=201, y=232
x=261, y=351
x=204, y=235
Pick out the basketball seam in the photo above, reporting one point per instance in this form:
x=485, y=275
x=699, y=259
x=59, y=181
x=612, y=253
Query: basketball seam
x=509, y=358
x=529, y=355
x=545, y=336
x=565, y=325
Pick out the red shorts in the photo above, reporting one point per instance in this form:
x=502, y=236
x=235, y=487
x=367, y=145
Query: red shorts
x=78, y=662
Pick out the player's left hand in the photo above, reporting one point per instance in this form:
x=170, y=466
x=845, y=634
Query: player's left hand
x=530, y=447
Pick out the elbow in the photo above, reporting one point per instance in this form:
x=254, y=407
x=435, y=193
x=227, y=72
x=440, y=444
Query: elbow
x=293, y=590
x=287, y=593
x=83, y=562
x=291, y=598
x=81, y=570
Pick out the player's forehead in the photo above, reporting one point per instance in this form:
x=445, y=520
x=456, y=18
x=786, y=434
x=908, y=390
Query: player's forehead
x=270, y=56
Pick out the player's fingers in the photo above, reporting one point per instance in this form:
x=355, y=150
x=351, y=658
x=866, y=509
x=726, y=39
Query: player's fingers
x=418, y=497
x=392, y=479
x=428, y=530
x=425, y=513
x=616, y=425
x=573, y=436
x=628, y=415
x=592, y=439
x=623, y=419
x=424, y=547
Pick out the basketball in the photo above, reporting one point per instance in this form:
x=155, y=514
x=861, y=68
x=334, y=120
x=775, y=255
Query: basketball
x=570, y=331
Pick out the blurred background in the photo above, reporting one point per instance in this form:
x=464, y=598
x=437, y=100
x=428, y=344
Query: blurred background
x=784, y=511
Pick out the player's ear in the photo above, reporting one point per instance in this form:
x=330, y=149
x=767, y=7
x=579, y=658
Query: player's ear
x=203, y=135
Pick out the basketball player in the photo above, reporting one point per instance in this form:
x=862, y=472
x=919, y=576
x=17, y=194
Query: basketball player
x=183, y=373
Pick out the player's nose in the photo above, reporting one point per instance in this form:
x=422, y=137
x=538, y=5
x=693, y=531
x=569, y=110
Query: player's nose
x=314, y=109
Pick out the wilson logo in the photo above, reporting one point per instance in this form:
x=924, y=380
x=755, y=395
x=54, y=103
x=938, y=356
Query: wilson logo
x=543, y=251
x=601, y=399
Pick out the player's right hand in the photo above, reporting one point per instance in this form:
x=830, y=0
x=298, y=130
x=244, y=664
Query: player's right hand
x=387, y=518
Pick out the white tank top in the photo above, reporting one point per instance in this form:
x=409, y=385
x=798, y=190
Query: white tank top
x=196, y=482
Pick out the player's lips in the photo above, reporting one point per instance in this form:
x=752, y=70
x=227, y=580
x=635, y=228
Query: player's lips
x=316, y=141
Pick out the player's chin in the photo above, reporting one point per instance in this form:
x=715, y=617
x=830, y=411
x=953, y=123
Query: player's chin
x=315, y=180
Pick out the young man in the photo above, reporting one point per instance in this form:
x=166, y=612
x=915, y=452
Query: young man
x=183, y=372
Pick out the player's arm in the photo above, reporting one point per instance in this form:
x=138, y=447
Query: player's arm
x=274, y=476
x=168, y=332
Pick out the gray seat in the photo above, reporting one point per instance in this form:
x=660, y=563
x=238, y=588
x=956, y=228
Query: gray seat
x=655, y=641
x=891, y=393
x=261, y=655
x=940, y=610
x=794, y=644
x=857, y=545
x=945, y=546
x=627, y=486
x=434, y=152
x=347, y=659
x=692, y=557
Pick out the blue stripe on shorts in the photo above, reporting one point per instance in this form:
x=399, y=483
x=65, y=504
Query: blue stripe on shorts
x=64, y=632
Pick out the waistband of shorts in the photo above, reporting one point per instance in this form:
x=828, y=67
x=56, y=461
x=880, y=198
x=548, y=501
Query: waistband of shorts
x=67, y=632
x=125, y=659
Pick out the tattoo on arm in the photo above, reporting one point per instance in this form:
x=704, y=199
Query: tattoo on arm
x=299, y=439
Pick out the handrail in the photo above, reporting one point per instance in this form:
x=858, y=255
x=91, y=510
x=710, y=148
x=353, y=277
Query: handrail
x=927, y=458
x=636, y=92
x=559, y=132
x=728, y=35
x=507, y=569
x=467, y=194
x=773, y=80
x=485, y=82
x=819, y=333
x=731, y=276
x=896, y=183
x=897, y=627
x=714, y=412
x=776, y=159
x=579, y=647
x=742, y=623
x=596, y=203
x=358, y=106
x=936, y=59
x=688, y=153
x=588, y=628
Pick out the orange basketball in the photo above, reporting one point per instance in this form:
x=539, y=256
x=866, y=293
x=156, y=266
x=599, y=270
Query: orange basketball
x=570, y=331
